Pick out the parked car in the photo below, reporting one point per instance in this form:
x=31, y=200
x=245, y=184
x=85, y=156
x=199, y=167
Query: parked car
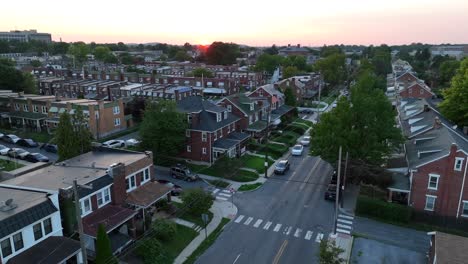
x=4, y=150
x=10, y=138
x=181, y=171
x=27, y=142
x=330, y=193
x=333, y=178
x=297, y=150
x=281, y=167
x=18, y=153
x=116, y=143
x=36, y=157
x=176, y=190
x=50, y=148
x=305, y=141
x=132, y=142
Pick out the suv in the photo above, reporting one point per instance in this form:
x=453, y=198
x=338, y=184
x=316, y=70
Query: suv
x=330, y=193
x=281, y=167
x=181, y=171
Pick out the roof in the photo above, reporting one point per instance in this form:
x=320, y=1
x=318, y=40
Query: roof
x=27, y=115
x=282, y=110
x=54, y=249
x=96, y=185
x=400, y=182
x=148, y=194
x=450, y=248
x=225, y=143
x=110, y=216
x=238, y=136
x=257, y=126
x=192, y=104
x=31, y=207
x=243, y=102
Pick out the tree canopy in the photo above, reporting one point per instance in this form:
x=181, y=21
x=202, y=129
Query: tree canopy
x=197, y=201
x=103, y=247
x=289, y=97
x=15, y=80
x=332, y=68
x=268, y=63
x=199, y=72
x=290, y=71
x=79, y=50
x=455, y=104
x=220, y=53
x=72, y=135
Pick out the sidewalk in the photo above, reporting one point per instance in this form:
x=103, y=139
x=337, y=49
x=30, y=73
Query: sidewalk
x=219, y=210
x=345, y=242
x=350, y=195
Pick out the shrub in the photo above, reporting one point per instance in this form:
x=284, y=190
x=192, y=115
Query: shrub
x=383, y=210
x=197, y=201
x=150, y=250
x=162, y=204
x=248, y=187
x=164, y=229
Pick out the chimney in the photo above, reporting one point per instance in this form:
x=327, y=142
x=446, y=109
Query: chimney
x=298, y=45
x=426, y=108
x=289, y=45
x=437, y=123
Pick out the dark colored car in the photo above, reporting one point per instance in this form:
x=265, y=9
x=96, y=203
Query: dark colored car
x=333, y=178
x=181, y=171
x=281, y=167
x=27, y=142
x=36, y=157
x=10, y=138
x=330, y=193
x=176, y=190
x=50, y=148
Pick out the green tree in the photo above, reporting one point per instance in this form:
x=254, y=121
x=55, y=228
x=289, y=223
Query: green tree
x=82, y=134
x=332, y=68
x=103, y=247
x=165, y=229
x=326, y=51
x=290, y=71
x=29, y=84
x=273, y=50
x=79, y=50
x=15, y=80
x=199, y=72
x=329, y=253
x=455, y=104
x=36, y=63
x=197, y=201
x=151, y=251
x=163, y=128
x=447, y=70
x=65, y=138
x=220, y=53
x=126, y=58
x=268, y=63
x=295, y=61
x=60, y=48
x=289, y=97
x=101, y=53
x=182, y=55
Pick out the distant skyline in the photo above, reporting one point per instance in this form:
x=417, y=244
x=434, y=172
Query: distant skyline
x=251, y=22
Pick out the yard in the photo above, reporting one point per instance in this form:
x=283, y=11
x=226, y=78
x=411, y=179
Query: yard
x=230, y=171
x=7, y=165
x=255, y=162
x=249, y=187
x=172, y=248
x=189, y=217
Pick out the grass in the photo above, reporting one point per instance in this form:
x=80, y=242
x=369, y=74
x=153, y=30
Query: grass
x=179, y=242
x=7, y=165
x=219, y=183
x=240, y=176
x=248, y=187
x=192, y=218
x=255, y=162
x=207, y=242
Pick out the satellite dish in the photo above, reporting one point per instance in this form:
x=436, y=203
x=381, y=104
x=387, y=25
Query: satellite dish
x=8, y=202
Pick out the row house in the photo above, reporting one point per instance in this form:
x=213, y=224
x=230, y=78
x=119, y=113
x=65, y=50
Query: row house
x=213, y=131
x=226, y=85
x=115, y=188
x=31, y=228
x=42, y=113
x=275, y=98
x=437, y=160
x=243, y=78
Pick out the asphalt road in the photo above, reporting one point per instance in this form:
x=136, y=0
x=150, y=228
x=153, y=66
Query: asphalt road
x=52, y=156
x=280, y=222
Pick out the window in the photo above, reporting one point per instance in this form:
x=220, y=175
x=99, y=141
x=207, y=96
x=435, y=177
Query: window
x=130, y=183
x=225, y=114
x=203, y=136
x=218, y=117
x=18, y=241
x=37, y=229
x=187, y=133
x=117, y=122
x=35, y=109
x=410, y=90
x=465, y=209
x=116, y=110
x=229, y=108
x=251, y=106
x=430, y=202
x=47, y=226
x=25, y=108
x=229, y=129
x=17, y=107
x=103, y=197
x=189, y=148
x=204, y=150
x=146, y=175
x=189, y=118
x=6, y=247
x=260, y=93
x=221, y=133
x=215, y=135
x=85, y=207
x=44, y=109
x=458, y=164
x=433, y=182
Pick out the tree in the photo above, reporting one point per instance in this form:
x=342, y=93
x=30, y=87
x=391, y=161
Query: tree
x=329, y=253
x=447, y=70
x=136, y=107
x=182, y=55
x=268, y=63
x=151, y=251
x=103, y=247
x=290, y=71
x=60, y=48
x=332, y=68
x=126, y=58
x=199, y=72
x=101, y=53
x=273, y=50
x=455, y=104
x=36, y=63
x=65, y=138
x=220, y=53
x=296, y=61
x=15, y=80
x=28, y=83
x=289, y=97
x=79, y=50
x=330, y=50
x=163, y=128
x=197, y=201
x=165, y=229
x=82, y=134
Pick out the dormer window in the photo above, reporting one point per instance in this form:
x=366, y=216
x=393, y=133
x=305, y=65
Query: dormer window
x=251, y=106
x=260, y=93
x=458, y=164
x=189, y=118
x=218, y=117
x=225, y=115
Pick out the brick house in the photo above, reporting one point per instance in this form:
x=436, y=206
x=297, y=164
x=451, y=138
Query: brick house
x=437, y=158
x=30, y=227
x=275, y=98
x=115, y=188
x=416, y=90
x=213, y=131
x=405, y=80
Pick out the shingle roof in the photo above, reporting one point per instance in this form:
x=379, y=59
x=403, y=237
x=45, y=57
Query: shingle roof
x=96, y=185
x=195, y=104
x=450, y=248
x=110, y=216
x=148, y=194
x=225, y=143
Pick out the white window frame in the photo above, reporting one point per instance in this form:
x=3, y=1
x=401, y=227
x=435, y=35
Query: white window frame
x=225, y=114
x=187, y=133
x=431, y=175
x=146, y=176
x=17, y=107
x=25, y=108
x=458, y=166
x=117, y=122
x=82, y=206
x=204, y=137
x=44, y=109
x=229, y=108
x=189, y=148
x=465, y=203
x=35, y=109
x=221, y=133
x=204, y=151
x=215, y=136
x=130, y=187
x=218, y=117
x=433, y=205
x=116, y=110
x=102, y=196
x=229, y=129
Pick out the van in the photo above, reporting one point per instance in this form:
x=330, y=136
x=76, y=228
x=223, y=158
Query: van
x=180, y=171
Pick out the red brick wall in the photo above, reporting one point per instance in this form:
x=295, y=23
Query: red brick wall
x=244, y=122
x=448, y=191
x=415, y=91
x=197, y=145
x=407, y=79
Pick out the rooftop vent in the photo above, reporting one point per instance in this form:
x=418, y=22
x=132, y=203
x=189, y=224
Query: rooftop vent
x=7, y=205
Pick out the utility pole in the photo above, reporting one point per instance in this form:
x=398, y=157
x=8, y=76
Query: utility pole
x=337, y=192
x=79, y=222
x=344, y=176
x=318, y=113
x=266, y=144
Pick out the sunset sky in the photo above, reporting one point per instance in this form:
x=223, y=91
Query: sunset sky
x=253, y=22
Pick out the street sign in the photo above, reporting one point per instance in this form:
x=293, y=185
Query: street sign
x=232, y=190
x=205, y=218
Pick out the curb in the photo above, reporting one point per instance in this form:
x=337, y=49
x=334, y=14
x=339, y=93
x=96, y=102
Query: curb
x=263, y=183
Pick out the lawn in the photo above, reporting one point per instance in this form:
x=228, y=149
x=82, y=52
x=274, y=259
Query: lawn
x=179, y=242
x=189, y=217
x=207, y=242
x=219, y=183
x=255, y=162
x=248, y=187
x=218, y=171
x=7, y=165
x=305, y=122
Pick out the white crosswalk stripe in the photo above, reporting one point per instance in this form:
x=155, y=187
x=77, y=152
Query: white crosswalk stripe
x=319, y=237
x=267, y=225
x=298, y=232
x=345, y=221
x=239, y=218
x=248, y=221
x=346, y=216
x=287, y=230
x=215, y=191
x=224, y=194
x=308, y=235
x=221, y=198
x=343, y=231
x=226, y=191
x=343, y=226
x=258, y=223
x=277, y=228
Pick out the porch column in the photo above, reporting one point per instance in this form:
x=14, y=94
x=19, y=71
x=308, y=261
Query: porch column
x=168, y=197
x=38, y=124
x=131, y=228
x=390, y=194
x=79, y=257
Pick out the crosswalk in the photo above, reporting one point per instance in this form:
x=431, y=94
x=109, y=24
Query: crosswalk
x=344, y=224
x=286, y=230
x=222, y=195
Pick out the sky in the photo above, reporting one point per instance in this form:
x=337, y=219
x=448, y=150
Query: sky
x=251, y=22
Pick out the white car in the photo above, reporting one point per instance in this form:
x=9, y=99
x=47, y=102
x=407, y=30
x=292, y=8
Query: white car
x=115, y=143
x=297, y=150
x=11, y=138
x=132, y=142
x=17, y=153
x=4, y=150
x=305, y=141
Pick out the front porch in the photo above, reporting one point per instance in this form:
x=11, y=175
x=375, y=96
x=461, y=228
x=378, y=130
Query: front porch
x=26, y=120
x=232, y=146
x=399, y=190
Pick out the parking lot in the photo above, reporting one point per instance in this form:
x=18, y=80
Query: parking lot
x=52, y=156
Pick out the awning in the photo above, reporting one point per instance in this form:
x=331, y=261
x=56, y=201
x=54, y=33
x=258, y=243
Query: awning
x=148, y=194
x=53, y=109
x=110, y=216
x=224, y=143
x=62, y=110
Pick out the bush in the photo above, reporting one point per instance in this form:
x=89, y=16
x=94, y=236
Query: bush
x=150, y=250
x=297, y=129
x=248, y=187
x=162, y=204
x=197, y=201
x=383, y=210
x=165, y=229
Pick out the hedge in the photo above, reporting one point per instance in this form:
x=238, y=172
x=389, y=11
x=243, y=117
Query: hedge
x=375, y=208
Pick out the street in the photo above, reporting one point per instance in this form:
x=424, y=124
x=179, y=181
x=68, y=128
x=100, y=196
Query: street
x=282, y=222
x=52, y=156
